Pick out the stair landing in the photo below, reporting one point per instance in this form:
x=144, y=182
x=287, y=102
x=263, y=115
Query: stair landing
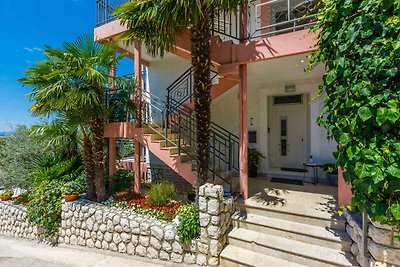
x=313, y=200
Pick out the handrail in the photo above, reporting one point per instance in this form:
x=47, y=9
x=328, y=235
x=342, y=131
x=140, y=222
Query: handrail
x=178, y=127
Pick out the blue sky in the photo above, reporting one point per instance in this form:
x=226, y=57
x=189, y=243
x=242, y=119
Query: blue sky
x=26, y=27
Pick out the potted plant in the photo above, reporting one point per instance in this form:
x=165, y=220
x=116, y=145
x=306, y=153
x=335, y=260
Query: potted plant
x=71, y=191
x=254, y=157
x=331, y=171
x=6, y=194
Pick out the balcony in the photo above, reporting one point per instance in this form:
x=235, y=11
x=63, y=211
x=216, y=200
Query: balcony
x=265, y=18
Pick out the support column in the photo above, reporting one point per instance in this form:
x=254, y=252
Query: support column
x=243, y=135
x=243, y=118
x=138, y=80
x=136, y=167
x=112, y=156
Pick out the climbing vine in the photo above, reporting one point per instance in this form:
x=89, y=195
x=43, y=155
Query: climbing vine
x=359, y=42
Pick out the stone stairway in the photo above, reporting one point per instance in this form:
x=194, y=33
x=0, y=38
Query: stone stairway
x=268, y=237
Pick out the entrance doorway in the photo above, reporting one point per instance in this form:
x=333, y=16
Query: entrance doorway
x=288, y=131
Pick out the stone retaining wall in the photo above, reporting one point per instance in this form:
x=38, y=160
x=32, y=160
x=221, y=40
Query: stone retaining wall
x=90, y=224
x=383, y=247
x=13, y=222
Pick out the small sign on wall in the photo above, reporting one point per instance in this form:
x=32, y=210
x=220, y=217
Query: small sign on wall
x=252, y=137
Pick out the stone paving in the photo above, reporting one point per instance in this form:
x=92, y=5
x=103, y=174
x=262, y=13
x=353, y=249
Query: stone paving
x=17, y=252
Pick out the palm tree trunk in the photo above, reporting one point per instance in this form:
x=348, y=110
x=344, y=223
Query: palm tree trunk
x=201, y=63
x=97, y=126
x=89, y=167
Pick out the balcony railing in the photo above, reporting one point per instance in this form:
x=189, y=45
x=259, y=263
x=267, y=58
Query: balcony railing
x=264, y=18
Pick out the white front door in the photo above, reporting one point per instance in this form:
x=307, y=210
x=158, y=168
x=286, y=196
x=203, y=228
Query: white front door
x=287, y=131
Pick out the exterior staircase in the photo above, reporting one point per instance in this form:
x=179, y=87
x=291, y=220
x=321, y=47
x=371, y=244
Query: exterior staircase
x=168, y=130
x=269, y=237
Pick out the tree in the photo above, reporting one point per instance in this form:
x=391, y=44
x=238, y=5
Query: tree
x=67, y=135
x=19, y=156
x=157, y=24
x=360, y=46
x=74, y=81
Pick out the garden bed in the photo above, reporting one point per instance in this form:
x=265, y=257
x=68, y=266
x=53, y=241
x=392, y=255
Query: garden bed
x=129, y=200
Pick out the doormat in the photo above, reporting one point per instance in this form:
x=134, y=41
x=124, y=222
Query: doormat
x=293, y=169
x=286, y=181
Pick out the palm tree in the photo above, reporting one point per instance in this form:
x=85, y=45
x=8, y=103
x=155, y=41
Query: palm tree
x=157, y=23
x=67, y=134
x=74, y=80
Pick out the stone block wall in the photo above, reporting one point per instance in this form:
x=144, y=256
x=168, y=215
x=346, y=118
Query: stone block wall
x=92, y=225
x=13, y=222
x=383, y=247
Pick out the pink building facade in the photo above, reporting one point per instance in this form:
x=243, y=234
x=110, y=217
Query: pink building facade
x=261, y=99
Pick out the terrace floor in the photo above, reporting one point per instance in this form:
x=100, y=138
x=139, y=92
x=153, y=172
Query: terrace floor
x=313, y=200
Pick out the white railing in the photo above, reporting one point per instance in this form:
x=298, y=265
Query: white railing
x=281, y=16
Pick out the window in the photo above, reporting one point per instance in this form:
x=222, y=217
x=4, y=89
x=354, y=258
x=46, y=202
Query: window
x=288, y=99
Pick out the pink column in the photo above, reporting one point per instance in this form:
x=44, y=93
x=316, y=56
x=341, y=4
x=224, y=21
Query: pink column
x=344, y=190
x=138, y=79
x=136, y=167
x=243, y=118
x=243, y=135
x=112, y=156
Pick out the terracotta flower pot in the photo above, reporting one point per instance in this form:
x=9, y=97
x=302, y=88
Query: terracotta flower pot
x=70, y=198
x=5, y=198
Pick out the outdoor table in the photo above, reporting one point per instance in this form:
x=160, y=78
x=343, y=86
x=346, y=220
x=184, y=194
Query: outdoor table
x=315, y=167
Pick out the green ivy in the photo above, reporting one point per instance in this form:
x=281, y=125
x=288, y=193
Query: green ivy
x=189, y=227
x=359, y=42
x=44, y=207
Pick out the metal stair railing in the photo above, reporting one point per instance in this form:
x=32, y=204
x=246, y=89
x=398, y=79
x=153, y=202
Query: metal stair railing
x=181, y=90
x=178, y=128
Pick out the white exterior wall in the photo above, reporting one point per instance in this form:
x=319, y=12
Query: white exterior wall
x=225, y=110
x=162, y=73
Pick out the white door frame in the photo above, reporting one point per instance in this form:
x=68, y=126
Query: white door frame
x=307, y=141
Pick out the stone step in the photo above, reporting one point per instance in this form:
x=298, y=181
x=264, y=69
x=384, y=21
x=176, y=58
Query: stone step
x=234, y=256
x=333, y=222
x=311, y=234
x=288, y=249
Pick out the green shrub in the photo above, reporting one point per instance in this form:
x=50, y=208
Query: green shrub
x=161, y=193
x=189, y=227
x=57, y=168
x=123, y=179
x=44, y=207
x=18, y=157
x=22, y=199
x=72, y=188
x=6, y=192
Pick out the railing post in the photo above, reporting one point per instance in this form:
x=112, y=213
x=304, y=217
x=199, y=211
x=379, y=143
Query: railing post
x=179, y=133
x=248, y=21
x=213, y=151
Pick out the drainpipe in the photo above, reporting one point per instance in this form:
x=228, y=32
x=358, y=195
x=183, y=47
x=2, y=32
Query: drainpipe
x=364, y=239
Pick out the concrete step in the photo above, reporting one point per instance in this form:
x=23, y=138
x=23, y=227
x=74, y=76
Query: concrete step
x=174, y=150
x=288, y=249
x=156, y=136
x=234, y=256
x=184, y=158
x=311, y=234
x=333, y=222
